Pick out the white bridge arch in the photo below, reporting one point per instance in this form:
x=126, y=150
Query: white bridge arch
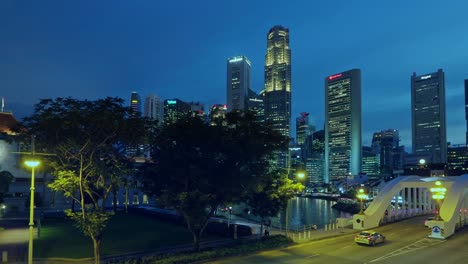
x=416, y=199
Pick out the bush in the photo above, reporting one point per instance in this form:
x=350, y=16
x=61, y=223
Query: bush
x=238, y=247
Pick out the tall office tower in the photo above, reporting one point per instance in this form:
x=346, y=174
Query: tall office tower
x=466, y=109
x=174, y=109
x=135, y=103
x=370, y=162
x=342, y=125
x=429, y=135
x=154, y=108
x=385, y=144
x=277, y=92
x=255, y=104
x=302, y=128
x=238, y=83
x=316, y=165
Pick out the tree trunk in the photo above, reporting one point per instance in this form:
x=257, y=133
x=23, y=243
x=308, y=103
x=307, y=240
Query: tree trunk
x=97, y=249
x=196, y=240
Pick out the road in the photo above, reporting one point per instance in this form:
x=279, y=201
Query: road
x=406, y=242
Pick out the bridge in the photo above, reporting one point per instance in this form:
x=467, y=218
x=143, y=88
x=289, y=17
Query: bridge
x=409, y=196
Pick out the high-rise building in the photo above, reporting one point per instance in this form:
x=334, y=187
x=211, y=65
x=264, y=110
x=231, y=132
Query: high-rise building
x=429, y=134
x=315, y=166
x=466, y=109
x=277, y=92
x=370, y=162
x=385, y=144
x=154, y=108
x=135, y=103
x=255, y=104
x=174, y=109
x=302, y=128
x=238, y=83
x=343, y=125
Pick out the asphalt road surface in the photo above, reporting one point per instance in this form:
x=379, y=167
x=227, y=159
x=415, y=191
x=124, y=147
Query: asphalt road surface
x=406, y=242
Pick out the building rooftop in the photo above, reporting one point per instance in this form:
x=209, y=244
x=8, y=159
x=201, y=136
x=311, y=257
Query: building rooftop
x=7, y=123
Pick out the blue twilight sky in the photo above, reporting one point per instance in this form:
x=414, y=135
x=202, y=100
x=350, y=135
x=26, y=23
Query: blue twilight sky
x=178, y=49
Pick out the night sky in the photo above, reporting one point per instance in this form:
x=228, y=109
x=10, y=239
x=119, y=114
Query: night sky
x=178, y=49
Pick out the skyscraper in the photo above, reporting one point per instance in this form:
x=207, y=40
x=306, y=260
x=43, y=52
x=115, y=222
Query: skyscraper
x=277, y=100
x=135, y=103
x=154, y=108
x=343, y=149
x=238, y=83
x=256, y=104
x=429, y=134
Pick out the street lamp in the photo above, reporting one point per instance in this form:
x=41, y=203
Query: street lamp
x=361, y=196
x=32, y=164
x=438, y=194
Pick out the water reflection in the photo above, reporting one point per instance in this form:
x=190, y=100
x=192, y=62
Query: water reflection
x=307, y=211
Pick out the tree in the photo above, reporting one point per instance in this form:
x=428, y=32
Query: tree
x=272, y=195
x=88, y=139
x=199, y=167
x=5, y=179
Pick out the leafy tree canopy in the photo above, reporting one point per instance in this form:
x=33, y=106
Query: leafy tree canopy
x=199, y=167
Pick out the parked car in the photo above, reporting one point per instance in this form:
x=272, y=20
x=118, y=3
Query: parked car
x=426, y=223
x=369, y=238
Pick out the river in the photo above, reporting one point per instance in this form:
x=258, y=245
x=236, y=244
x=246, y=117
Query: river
x=308, y=211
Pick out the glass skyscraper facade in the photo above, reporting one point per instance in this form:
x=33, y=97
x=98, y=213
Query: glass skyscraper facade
x=343, y=149
x=429, y=134
x=238, y=83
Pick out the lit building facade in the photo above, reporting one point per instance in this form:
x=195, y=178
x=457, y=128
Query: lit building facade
x=255, y=104
x=429, y=134
x=175, y=109
x=386, y=144
x=277, y=92
x=343, y=149
x=238, y=83
x=154, y=108
x=457, y=159
x=217, y=112
x=135, y=103
x=315, y=165
x=370, y=162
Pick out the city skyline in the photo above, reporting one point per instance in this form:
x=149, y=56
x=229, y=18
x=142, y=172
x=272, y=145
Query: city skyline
x=92, y=50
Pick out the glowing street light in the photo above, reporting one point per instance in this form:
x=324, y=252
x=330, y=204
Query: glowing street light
x=361, y=196
x=32, y=164
x=438, y=194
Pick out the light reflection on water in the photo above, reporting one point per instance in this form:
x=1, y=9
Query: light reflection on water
x=307, y=211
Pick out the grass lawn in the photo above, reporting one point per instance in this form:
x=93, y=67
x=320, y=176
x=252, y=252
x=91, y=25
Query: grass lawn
x=124, y=233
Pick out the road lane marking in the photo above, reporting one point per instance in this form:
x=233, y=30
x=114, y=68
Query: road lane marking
x=346, y=247
x=425, y=242
x=311, y=256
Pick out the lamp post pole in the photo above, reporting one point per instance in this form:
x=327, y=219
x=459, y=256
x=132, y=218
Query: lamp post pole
x=32, y=164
